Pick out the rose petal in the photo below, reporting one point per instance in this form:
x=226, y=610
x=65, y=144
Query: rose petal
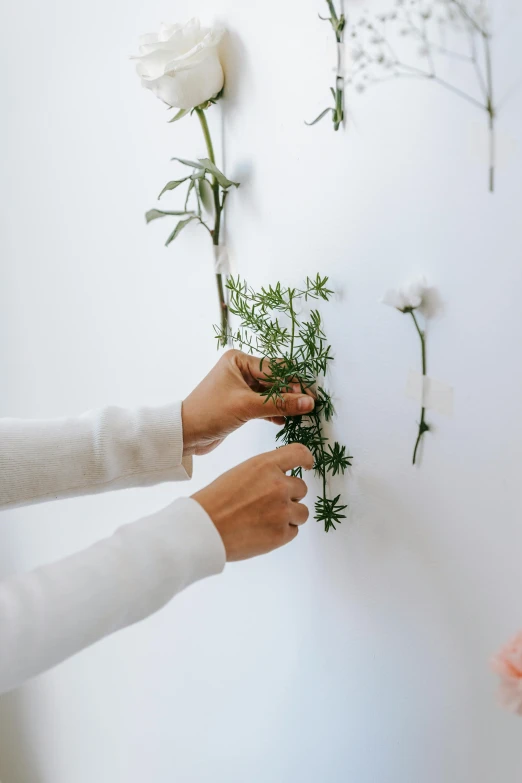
x=190, y=87
x=510, y=694
x=181, y=49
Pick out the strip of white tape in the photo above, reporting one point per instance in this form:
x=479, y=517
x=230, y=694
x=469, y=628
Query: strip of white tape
x=342, y=65
x=430, y=393
x=221, y=260
x=506, y=146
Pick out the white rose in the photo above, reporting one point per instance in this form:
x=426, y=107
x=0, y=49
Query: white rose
x=181, y=64
x=408, y=297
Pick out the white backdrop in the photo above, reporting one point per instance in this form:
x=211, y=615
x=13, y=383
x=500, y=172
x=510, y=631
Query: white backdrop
x=357, y=656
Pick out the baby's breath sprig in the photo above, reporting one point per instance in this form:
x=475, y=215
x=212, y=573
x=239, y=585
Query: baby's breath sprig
x=338, y=22
x=378, y=54
x=293, y=350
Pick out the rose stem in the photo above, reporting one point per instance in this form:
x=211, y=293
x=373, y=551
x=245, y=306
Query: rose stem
x=218, y=207
x=423, y=427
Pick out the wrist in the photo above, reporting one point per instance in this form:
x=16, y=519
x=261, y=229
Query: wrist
x=190, y=441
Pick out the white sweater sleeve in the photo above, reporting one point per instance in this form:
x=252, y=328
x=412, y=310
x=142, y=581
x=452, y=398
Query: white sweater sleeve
x=55, y=611
x=105, y=449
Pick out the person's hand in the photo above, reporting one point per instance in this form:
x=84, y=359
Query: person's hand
x=229, y=397
x=255, y=506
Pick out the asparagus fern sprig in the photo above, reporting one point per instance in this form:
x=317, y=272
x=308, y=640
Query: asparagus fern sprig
x=293, y=349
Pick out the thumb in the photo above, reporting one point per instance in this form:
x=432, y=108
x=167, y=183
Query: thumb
x=286, y=405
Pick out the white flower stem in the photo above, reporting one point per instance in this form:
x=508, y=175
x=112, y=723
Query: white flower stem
x=338, y=26
x=423, y=427
x=491, y=111
x=218, y=209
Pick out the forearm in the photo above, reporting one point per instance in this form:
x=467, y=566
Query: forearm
x=105, y=449
x=51, y=613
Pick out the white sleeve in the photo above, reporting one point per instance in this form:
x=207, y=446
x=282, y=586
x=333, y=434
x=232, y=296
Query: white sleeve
x=55, y=611
x=102, y=450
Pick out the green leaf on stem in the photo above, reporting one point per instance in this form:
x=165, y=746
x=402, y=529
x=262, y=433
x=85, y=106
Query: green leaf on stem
x=179, y=116
x=220, y=177
x=172, y=185
x=191, y=163
x=198, y=174
x=336, y=460
x=154, y=214
x=189, y=191
x=319, y=118
x=205, y=194
x=179, y=228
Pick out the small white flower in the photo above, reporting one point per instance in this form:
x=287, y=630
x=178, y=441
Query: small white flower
x=181, y=64
x=407, y=298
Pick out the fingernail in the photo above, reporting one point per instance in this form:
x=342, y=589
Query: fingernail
x=305, y=404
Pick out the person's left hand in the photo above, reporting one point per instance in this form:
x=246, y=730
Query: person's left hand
x=229, y=397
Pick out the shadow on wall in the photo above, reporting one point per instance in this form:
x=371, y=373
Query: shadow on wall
x=18, y=762
x=387, y=586
x=380, y=538
x=236, y=63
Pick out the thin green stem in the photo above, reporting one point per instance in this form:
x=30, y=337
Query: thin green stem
x=292, y=316
x=206, y=134
x=332, y=10
x=338, y=23
x=218, y=208
x=339, y=103
x=458, y=92
x=465, y=13
x=490, y=110
x=317, y=421
x=414, y=71
x=314, y=415
x=423, y=427
x=423, y=342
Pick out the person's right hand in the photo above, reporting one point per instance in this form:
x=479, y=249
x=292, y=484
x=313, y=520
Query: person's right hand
x=256, y=506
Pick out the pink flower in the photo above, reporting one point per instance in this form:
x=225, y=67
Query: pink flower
x=508, y=665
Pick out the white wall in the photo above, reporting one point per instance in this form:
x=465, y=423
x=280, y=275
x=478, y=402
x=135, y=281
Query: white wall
x=357, y=656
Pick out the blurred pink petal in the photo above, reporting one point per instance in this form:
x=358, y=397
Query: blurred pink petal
x=508, y=665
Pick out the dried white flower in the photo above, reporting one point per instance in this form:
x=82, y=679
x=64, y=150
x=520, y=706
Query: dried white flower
x=407, y=298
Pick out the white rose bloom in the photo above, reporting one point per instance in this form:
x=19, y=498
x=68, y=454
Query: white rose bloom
x=408, y=297
x=181, y=64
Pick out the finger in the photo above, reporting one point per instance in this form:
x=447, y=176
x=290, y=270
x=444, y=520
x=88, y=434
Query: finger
x=297, y=488
x=256, y=371
x=291, y=533
x=279, y=420
x=300, y=514
x=256, y=374
x=293, y=456
x=286, y=405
